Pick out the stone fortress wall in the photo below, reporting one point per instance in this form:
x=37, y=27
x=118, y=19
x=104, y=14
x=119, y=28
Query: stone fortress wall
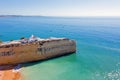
x=40, y=50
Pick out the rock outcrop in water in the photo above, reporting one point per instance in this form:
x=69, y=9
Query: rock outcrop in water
x=34, y=49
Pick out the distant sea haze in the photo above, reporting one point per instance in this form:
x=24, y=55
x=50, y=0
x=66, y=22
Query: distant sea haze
x=98, y=46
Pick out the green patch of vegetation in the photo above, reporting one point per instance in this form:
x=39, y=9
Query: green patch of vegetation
x=0, y=41
x=22, y=38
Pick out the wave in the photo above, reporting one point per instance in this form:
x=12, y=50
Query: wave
x=17, y=68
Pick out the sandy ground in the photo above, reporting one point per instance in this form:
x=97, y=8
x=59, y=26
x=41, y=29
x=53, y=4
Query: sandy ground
x=10, y=73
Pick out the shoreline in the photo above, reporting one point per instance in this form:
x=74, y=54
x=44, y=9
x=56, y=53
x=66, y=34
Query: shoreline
x=10, y=72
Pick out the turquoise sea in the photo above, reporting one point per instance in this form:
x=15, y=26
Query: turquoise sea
x=98, y=46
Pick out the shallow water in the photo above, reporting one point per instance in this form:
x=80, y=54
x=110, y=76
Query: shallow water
x=98, y=46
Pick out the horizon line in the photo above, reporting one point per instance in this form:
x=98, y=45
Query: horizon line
x=15, y=15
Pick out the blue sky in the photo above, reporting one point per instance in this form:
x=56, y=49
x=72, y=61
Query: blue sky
x=60, y=7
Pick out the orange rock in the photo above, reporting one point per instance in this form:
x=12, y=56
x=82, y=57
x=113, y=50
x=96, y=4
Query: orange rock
x=39, y=50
